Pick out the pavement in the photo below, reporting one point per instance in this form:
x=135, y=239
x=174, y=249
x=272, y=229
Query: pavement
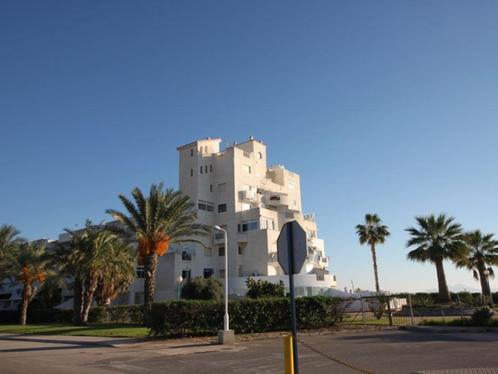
x=389, y=351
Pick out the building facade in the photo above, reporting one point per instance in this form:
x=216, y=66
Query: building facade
x=235, y=189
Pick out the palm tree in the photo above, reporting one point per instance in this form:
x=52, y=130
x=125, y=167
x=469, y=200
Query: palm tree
x=118, y=275
x=30, y=264
x=95, y=257
x=435, y=240
x=163, y=218
x=69, y=258
x=373, y=232
x=102, y=260
x=481, y=255
x=9, y=241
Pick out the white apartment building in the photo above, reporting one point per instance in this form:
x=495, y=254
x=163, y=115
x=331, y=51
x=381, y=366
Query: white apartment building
x=234, y=188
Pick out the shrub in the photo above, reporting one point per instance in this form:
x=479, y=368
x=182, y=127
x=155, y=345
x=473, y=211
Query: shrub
x=482, y=317
x=465, y=298
x=261, y=288
x=203, y=289
x=198, y=317
x=131, y=314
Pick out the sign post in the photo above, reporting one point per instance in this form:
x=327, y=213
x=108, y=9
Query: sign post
x=291, y=252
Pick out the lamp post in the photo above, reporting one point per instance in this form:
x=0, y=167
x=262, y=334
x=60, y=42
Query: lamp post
x=179, y=281
x=225, y=336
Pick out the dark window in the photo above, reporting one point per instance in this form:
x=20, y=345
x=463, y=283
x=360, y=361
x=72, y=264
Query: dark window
x=205, y=169
x=208, y=273
x=210, y=207
x=140, y=272
x=241, y=250
x=210, y=188
x=201, y=205
x=210, y=168
x=221, y=251
x=191, y=172
x=248, y=226
x=191, y=152
x=186, y=256
x=186, y=275
x=222, y=208
x=201, y=169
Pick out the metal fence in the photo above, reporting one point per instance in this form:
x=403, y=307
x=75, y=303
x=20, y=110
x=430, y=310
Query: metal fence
x=385, y=310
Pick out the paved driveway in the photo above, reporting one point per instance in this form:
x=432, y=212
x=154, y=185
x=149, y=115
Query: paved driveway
x=377, y=351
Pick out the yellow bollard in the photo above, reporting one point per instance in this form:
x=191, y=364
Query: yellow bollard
x=288, y=358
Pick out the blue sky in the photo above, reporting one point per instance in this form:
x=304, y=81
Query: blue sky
x=387, y=107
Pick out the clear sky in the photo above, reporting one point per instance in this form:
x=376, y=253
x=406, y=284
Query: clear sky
x=387, y=106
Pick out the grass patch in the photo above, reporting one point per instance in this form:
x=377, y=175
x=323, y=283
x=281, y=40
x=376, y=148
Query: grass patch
x=107, y=330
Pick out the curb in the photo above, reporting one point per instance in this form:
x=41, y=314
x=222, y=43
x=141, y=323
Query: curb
x=450, y=329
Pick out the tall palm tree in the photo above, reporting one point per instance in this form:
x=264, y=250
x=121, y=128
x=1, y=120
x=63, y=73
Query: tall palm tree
x=435, y=240
x=163, y=218
x=481, y=255
x=9, y=241
x=30, y=264
x=373, y=232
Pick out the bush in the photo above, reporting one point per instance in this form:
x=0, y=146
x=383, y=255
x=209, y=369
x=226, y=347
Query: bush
x=195, y=318
x=38, y=316
x=131, y=314
x=482, y=317
x=260, y=288
x=203, y=289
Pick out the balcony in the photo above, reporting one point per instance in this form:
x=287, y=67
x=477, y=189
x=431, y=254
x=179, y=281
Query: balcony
x=249, y=196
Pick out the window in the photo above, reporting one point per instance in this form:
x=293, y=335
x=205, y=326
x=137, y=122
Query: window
x=260, y=155
x=222, y=273
x=186, y=256
x=219, y=235
x=201, y=169
x=140, y=272
x=241, y=250
x=222, y=187
x=205, y=205
x=222, y=208
x=191, y=152
x=210, y=188
x=186, y=274
x=210, y=168
x=247, y=168
x=221, y=250
x=267, y=223
x=248, y=225
x=205, y=169
x=208, y=251
x=208, y=273
x=247, y=154
x=191, y=172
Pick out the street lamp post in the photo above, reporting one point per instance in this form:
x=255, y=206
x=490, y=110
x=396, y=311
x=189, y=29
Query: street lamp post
x=225, y=336
x=179, y=281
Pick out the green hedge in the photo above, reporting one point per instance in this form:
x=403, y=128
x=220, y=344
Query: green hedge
x=191, y=318
x=131, y=314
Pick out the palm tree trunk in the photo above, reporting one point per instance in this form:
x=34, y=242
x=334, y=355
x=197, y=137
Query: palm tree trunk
x=485, y=289
x=90, y=288
x=149, y=284
x=26, y=296
x=77, y=300
x=374, y=260
x=444, y=293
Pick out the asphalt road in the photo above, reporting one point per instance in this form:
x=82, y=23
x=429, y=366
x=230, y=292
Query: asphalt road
x=374, y=351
